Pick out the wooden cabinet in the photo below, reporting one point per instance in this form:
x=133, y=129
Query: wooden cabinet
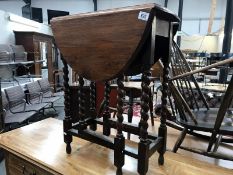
x=39, y=47
x=18, y=166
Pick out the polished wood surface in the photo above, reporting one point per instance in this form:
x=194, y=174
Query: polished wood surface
x=102, y=40
x=42, y=144
x=101, y=45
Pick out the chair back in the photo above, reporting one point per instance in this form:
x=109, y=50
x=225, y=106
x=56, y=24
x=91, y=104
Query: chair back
x=19, y=53
x=5, y=104
x=187, y=101
x=34, y=90
x=185, y=90
x=15, y=95
x=45, y=85
x=6, y=53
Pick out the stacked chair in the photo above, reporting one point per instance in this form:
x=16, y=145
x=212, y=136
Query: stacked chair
x=12, y=57
x=6, y=54
x=19, y=53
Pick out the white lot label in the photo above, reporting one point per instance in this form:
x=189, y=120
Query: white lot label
x=143, y=16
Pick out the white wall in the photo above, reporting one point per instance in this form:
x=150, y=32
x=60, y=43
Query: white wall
x=81, y=6
x=196, y=15
x=13, y=6
x=108, y=4
x=6, y=35
x=220, y=41
x=72, y=6
x=200, y=43
x=195, y=12
x=7, y=27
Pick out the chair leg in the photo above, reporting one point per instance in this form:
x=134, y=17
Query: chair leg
x=212, y=141
x=217, y=143
x=43, y=110
x=52, y=106
x=180, y=140
x=54, y=109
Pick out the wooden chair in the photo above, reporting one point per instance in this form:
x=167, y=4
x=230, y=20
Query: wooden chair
x=192, y=111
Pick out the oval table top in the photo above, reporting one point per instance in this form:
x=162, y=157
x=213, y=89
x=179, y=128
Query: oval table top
x=101, y=45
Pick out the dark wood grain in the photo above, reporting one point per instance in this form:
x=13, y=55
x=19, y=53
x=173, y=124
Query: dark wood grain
x=102, y=41
x=109, y=44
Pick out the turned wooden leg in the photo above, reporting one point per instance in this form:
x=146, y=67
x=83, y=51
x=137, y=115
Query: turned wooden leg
x=130, y=111
x=143, y=146
x=67, y=122
x=93, y=114
x=68, y=147
x=143, y=157
x=106, y=114
x=82, y=123
x=119, y=140
x=163, y=127
x=119, y=157
x=162, y=149
x=67, y=137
